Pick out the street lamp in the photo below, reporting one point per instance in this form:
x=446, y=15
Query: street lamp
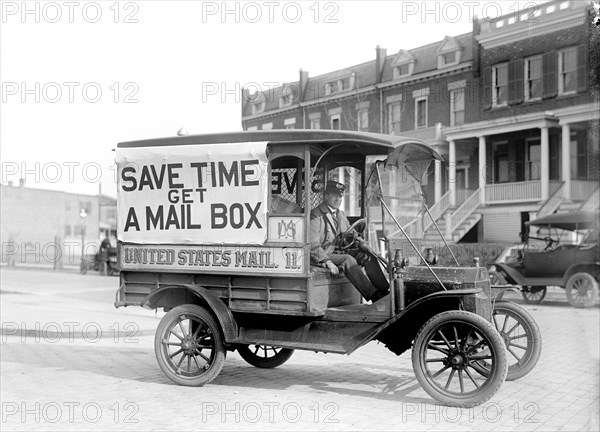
x=83, y=266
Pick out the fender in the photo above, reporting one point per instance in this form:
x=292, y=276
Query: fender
x=215, y=305
x=511, y=275
x=423, y=303
x=588, y=267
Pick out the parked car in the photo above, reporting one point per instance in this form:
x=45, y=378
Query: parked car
x=574, y=266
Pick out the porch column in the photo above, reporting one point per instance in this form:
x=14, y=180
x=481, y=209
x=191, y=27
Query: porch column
x=452, y=172
x=438, y=180
x=482, y=169
x=566, y=161
x=545, y=164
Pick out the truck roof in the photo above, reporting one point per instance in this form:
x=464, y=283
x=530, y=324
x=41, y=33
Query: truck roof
x=283, y=136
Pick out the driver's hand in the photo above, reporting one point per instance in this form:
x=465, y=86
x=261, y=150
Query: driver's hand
x=333, y=269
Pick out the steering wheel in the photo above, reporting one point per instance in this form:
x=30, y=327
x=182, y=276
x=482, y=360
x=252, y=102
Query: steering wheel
x=352, y=235
x=549, y=242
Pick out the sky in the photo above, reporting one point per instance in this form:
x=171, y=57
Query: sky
x=78, y=77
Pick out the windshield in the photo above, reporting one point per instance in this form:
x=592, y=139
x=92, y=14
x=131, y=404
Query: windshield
x=402, y=194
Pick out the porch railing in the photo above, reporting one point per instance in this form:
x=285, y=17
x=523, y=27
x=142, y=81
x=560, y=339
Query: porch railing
x=511, y=192
x=465, y=210
x=437, y=211
x=581, y=190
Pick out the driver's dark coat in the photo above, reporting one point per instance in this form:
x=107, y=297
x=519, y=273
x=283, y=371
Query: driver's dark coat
x=323, y=231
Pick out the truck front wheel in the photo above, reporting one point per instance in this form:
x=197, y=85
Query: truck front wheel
x=446, y=353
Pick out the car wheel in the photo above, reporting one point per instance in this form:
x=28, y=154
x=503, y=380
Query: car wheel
x=582, y=290
x=533, y=294
x=521, y=336
x=444, y=354
x=265, y=357
x=189, y=346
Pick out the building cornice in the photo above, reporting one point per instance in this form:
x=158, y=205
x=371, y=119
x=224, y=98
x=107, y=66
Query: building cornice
x=461, y=67
x=526, y=30
x=501, y=125
x=578, y=113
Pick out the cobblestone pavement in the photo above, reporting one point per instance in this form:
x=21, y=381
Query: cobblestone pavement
x=70, y=361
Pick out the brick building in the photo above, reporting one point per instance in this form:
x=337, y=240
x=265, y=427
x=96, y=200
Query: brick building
x=509, y=106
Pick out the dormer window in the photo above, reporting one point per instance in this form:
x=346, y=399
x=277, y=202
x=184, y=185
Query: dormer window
x=448, y=52
x=403, y=70
x=450, y=58
x=340, y=85
x=288, y=95
x=403, y=64
x=258, y=107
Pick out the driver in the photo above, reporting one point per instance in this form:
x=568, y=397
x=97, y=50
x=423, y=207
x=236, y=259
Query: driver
x=327, y=222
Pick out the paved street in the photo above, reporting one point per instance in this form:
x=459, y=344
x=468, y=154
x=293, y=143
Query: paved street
x=71, y=361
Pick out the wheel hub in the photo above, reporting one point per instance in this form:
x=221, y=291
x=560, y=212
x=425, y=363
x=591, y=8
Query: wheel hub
x=189, y=346
x=457, y=359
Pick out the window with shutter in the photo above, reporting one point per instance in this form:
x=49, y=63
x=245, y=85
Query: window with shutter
x=500, y=85
x=533, y=78
x=567, y=71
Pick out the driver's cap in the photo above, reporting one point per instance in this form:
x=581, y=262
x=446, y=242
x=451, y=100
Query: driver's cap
x=334, y=187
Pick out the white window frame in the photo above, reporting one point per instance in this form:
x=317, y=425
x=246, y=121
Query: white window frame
x=526, y=80
x=335, y=117
x=258, y=107
x=417, y=100
x=397, y=67
x=290, y=123
x=252, y=128
x=494, y=76
x=453, y=109
x=315, y=123
x=267, y=126
x=561, y=72
x=391, y=121
x=362, y=119
x=442, y=62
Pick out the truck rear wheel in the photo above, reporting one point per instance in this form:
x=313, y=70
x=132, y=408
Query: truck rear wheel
x=265, y=357
x=189, y=346
x=444, y=354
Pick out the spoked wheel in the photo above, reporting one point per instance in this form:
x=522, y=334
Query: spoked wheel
x=582, y=290
x=533, y=294
x=265, y=357
x=189, y=346
x=444, y=354
x=521, y=336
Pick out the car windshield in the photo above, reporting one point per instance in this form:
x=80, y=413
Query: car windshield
x=401, y=193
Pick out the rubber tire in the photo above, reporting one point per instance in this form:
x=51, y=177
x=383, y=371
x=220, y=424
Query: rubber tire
x=494, y=379
x=532, y=331
x=542, y=288
x=278, y=359
x=592, y=298
x=218, y=357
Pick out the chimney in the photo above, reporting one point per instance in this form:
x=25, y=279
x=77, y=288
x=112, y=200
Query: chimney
x=303, y=84
x=475, y=46
x=380, y=55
